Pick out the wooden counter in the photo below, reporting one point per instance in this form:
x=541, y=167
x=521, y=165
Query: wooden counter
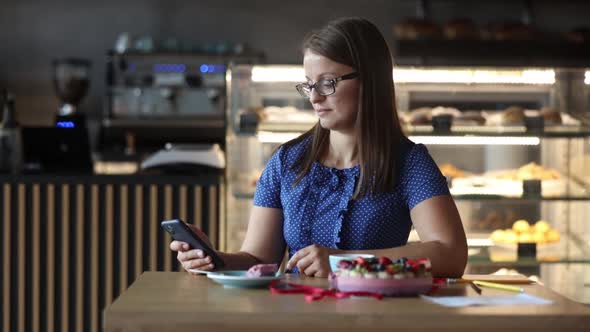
x=69, y=244
x=176, y=301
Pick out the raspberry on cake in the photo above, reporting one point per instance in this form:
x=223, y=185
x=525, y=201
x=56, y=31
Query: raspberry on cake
x=262, y=270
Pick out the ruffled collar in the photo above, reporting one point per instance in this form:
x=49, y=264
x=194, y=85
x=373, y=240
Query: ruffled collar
x=341, y=180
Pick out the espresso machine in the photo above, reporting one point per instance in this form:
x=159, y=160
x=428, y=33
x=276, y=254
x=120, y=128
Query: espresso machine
x=164, y=102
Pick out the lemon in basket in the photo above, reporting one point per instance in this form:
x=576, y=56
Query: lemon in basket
x=539, y=237
x=497, y=235
x=541, y=226
x=552, y=236
x=521, y=226
x=510, y=236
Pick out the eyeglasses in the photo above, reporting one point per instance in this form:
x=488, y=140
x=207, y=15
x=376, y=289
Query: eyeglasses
x=323, y=87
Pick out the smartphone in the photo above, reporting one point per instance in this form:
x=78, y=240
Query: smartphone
x=180, y=231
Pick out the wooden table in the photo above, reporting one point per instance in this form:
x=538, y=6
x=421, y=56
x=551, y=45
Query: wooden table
x=176, y=301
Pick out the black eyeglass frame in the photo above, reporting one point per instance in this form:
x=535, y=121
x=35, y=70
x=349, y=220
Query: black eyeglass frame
x=332, y=81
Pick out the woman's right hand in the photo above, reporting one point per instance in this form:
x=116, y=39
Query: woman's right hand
x=193, y=258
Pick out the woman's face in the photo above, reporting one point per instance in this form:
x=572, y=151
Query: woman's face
x=339, y=110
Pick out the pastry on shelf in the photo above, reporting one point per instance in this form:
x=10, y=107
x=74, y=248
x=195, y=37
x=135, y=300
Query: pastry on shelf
x=580, y=35
x=404, y=117
x=510, y=31
x=246, y=181
x=492, y=220
x=253, y=177
x=530, y=171
x=420, y=116
x=452, y=171
x=441, y=110
x=415, y=28
x=513, y=115
x=470, y=118
x=551, y=116
x=461, y=28
x=286, y=115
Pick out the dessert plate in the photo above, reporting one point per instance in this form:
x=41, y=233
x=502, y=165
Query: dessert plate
x=239, y=279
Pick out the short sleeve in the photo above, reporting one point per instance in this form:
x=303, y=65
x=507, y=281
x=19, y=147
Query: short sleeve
x=268, y=188
x=421, y=177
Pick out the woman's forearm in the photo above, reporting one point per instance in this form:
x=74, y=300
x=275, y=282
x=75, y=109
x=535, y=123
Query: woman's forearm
x=447, y=260
x=238, y=261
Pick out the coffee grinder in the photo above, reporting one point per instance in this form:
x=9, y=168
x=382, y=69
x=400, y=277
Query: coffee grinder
x=71, y=82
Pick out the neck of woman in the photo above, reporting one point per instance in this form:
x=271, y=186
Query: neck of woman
x=341, y=151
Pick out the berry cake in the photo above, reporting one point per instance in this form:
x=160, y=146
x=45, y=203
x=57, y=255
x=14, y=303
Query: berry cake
x=402, y=277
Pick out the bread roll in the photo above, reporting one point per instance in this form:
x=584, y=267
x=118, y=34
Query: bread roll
x=513, y=115
x=461, y=28
x=474, y=117
x=452, y=171
x=421, y=116
x=532, y=171
x=579, y=35
x=550, y=115
x=509, y=30
x=415, y=28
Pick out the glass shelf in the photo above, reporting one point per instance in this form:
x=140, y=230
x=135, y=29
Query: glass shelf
x=487, y=257
x=519, y=131
x=428, y=130
x=522, y=262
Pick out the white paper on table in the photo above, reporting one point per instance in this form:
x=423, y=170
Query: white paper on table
x=465, y=301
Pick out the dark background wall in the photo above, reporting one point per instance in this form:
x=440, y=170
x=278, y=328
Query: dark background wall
x=32, y=33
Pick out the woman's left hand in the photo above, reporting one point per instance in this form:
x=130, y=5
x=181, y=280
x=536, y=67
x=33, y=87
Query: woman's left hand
x=312, y=261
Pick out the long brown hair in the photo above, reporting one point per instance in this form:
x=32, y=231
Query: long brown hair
x=358, y=43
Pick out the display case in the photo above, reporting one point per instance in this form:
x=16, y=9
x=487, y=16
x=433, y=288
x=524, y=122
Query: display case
x=517, y=160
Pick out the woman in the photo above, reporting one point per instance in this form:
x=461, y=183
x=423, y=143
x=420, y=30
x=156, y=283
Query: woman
x=354, y=182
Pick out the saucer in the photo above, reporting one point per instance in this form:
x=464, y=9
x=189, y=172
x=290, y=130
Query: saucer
x=239, y=279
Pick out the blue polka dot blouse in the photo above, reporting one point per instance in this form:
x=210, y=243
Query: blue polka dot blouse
x=319, y=209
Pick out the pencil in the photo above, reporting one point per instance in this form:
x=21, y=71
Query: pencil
x=458, y=281
x=498, y=286
x=475, y=288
